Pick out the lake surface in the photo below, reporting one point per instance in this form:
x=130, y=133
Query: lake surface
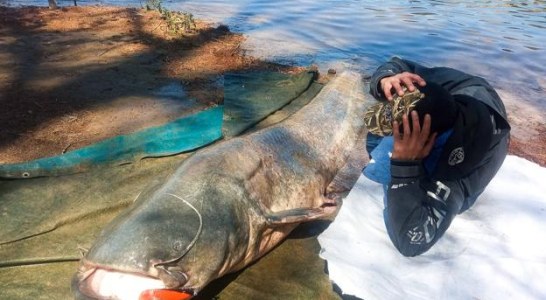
x=502, y=41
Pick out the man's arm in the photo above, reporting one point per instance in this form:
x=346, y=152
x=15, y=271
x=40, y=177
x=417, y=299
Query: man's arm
x=450, y=79
x=419, y=211
x=455, y=81
x=390, y=68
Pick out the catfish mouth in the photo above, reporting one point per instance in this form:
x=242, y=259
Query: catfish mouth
x=101, y=283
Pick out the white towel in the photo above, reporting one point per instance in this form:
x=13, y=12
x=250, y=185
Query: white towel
x=495, y=250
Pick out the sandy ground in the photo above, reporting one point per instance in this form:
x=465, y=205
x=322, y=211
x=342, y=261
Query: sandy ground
x=75, y=76
x=528, y=134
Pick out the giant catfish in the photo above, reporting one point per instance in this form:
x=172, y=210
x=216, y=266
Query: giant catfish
x=229, y=204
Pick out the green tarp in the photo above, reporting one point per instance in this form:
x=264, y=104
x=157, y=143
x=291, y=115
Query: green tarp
x=250, y=97
x=46, y=222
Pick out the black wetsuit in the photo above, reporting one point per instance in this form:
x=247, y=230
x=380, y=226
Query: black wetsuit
x=420, y=203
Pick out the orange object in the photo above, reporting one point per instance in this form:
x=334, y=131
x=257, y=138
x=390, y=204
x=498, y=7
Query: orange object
x=164, y=295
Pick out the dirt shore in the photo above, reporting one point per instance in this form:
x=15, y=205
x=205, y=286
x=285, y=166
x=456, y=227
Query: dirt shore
x=74, y=76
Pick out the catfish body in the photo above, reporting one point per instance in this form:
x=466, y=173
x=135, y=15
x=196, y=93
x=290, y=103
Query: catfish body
x=229, y=204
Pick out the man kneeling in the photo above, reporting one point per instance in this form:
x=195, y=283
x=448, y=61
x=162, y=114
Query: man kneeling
x=446, y=147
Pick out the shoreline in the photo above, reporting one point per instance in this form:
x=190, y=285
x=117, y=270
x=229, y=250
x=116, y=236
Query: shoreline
x=74, y=76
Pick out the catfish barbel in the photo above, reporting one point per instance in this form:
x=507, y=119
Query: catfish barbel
x=228, y=204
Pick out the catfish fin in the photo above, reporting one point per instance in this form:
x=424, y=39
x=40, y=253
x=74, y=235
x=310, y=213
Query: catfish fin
x=301, y=215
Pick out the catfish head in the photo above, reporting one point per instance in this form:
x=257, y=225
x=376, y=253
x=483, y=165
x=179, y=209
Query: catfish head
x=166, y=241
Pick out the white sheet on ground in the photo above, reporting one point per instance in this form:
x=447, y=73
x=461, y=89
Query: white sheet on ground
x=495, y=250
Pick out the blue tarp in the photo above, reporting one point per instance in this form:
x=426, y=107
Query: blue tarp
x=183, y=134
x=249, y=98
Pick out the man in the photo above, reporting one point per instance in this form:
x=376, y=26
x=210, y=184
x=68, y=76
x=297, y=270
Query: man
x=444, y=153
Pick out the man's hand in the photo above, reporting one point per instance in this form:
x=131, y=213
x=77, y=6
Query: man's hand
x=397, y=81
x=412, y=145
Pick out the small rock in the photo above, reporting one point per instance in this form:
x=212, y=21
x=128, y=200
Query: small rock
x=332, y=71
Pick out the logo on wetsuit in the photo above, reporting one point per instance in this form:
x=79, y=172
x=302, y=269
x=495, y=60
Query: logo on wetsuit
x=456, y=156
x=424, y=233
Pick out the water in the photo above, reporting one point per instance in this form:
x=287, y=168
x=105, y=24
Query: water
x=502, y=41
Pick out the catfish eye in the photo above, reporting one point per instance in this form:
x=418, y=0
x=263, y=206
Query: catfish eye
x=177, y=246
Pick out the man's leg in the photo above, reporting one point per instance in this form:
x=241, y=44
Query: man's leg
x=372, y=141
